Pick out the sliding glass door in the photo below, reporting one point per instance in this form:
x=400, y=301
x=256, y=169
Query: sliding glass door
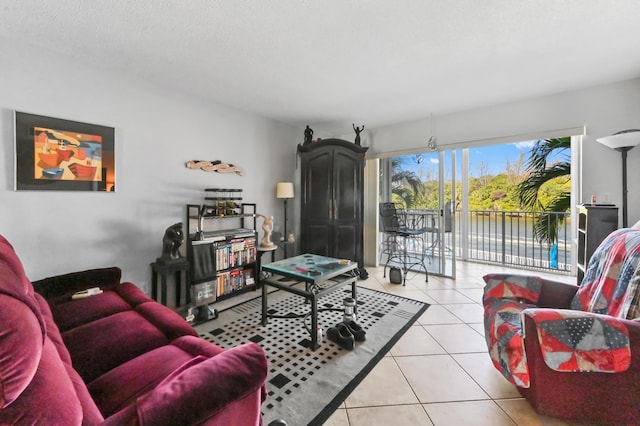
x=424, y=188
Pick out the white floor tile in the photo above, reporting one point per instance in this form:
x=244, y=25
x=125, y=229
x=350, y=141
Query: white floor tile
x=457, y=338
x=438, y=378
x=441, y=362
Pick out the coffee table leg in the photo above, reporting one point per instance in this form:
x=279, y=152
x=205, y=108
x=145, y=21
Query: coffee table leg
x=314, y=322
x=264, y=303
x=354, y=295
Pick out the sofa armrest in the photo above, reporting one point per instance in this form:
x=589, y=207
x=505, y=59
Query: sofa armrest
x=203, y=388
x=577, y=341
x=517, y=287
x=583, y=395
x=52, y=288
x=529, y=289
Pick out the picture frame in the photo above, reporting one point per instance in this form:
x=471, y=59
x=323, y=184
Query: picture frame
x=54, y=154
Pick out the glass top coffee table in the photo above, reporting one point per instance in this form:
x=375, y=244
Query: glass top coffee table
x=321, y=275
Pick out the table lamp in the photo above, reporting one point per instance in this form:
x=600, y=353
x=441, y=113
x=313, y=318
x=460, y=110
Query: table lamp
x=623, y=141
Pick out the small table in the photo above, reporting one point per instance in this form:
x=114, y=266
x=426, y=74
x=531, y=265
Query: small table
x=321, y=276
x=262, y=250
x=164, y=268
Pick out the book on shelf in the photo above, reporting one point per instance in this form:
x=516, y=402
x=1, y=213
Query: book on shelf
x=234, y=280
x=235, y=253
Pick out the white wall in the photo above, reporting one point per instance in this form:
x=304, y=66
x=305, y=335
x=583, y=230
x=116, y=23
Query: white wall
x=157, y=131
x=603, y=110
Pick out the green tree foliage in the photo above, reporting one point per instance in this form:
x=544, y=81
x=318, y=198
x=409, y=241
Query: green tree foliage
x=406, y=187
x=547, y=187
x=536, y=185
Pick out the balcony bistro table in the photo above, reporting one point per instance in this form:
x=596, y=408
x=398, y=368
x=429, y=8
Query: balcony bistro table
x=321, y=276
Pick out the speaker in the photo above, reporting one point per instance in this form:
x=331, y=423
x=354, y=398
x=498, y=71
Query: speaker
x=395, y=275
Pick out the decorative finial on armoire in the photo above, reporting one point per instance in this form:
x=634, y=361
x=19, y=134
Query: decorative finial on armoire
x=357, y=130
x=308, y=134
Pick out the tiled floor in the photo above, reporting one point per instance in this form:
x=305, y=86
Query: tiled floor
x=439, y=373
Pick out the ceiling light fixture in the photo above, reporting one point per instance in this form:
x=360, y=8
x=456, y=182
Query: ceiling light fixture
x=431, y=143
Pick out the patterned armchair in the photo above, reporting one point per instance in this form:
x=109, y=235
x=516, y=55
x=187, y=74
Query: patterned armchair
x=573, y=352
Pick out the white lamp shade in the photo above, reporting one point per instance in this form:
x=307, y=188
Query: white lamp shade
x=624, y=139
x=284, y=190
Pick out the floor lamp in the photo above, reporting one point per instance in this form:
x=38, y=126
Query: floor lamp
x=623, y=141
x=284, y=190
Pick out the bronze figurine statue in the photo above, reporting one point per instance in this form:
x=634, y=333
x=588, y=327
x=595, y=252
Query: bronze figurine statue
x=357, y=130
x=171, y=242
x=308, y=134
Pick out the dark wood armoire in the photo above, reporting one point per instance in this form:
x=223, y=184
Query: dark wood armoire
x=332, y=200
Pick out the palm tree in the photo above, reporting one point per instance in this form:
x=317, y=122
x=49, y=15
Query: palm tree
x=539, y=173
x=405, y=184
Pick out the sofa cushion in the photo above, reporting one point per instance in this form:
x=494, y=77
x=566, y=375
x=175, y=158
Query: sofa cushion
x=233, y=375
x=49, y=399
x=22, y=329
x=115, y=340
x=14, y=282
x=52, y=330
x=20, y=348
x=69, y=314
x=61, y=287
x=120, y=386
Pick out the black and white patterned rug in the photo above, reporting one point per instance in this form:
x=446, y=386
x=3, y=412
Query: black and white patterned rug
x=307, y=386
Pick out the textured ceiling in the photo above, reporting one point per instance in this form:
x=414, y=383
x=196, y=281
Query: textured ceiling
x=334, y=62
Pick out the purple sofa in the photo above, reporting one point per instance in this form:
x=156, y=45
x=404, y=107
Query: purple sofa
x=114, y=358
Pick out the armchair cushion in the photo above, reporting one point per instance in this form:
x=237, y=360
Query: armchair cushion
x=521, y=288
x=611, y=280
x=505, y=297
x=574, y=341
x=503, y=333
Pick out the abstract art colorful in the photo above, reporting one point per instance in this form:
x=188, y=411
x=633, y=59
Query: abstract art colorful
x=56, y=154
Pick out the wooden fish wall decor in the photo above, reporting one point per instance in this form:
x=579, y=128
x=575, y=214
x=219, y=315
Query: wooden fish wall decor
x=214, y=166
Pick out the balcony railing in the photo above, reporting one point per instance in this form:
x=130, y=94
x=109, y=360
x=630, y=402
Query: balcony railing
x=507, y=237
x=504, y=237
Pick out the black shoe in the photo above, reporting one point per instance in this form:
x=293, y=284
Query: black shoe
x=341, y=335
x=356, y=330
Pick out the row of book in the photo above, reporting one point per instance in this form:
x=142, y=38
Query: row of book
x=235, y=253
x=232, y=281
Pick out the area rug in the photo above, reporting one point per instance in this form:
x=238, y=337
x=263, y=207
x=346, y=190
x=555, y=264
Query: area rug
x=307, y=386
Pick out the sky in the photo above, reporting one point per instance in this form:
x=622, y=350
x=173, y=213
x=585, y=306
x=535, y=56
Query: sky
x=492, y=159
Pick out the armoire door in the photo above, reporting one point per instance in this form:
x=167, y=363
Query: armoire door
x=317, y=203
x=347, y=204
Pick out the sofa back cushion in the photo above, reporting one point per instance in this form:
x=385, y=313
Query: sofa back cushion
x=49, y=399
x=22, y=329
x=611, y=280
x=20, y=348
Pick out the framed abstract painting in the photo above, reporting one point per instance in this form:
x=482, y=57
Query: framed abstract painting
x=63, y=155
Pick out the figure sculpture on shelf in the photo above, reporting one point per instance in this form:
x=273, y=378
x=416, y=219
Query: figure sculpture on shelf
x=171, y=242
x=308, y=134
x=357, y=130
x=267, y=228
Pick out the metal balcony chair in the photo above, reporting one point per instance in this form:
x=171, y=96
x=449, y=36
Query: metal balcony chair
x=397, y=237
